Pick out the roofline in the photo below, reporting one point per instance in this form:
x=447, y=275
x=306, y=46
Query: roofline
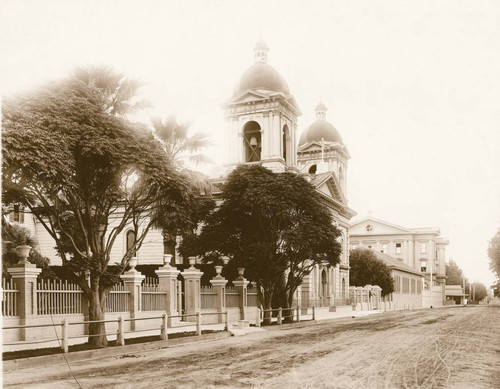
x=418, y=230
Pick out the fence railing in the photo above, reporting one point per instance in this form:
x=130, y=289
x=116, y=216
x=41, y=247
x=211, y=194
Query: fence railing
x=152, y=298
x=9, y=298
x=208, y=297
x=253, y=299
x=232, y=298
x=63, y=328
x=56, y=297
x=117, y=300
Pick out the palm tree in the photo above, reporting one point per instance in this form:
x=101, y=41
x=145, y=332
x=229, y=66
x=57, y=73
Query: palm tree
x=119, y=94
x=179, y=145
x=182, y=148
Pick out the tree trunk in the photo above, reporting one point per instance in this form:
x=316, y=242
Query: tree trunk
x=288, y=300
x=97, y=331
x=268, y=294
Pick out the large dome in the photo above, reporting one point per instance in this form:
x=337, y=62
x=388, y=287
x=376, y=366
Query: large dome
x=262, y=76
x=320, y=129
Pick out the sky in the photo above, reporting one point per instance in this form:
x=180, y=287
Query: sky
x=412, y=86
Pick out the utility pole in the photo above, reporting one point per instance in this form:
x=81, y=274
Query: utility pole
x=463, y=286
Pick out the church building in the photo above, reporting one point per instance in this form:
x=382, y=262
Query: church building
x=261, y=128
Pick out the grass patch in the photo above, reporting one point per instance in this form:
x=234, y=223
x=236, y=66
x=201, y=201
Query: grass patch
x=85, y=347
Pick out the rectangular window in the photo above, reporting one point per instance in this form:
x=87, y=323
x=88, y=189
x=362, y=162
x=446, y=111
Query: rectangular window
x=397, y=284
x=419, y=286
x=384, y=248
x=413, y=286
x=17, y=214
x=423, y=266
x=423, y=248
x=398, y=248
x=406, y=285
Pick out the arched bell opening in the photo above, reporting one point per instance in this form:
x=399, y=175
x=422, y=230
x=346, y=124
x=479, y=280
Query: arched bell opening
x=286, y=145
x=252, y=141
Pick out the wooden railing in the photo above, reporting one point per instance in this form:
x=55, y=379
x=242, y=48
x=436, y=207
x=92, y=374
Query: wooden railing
x=9, y=298
x=253, y=299
x=232, y=298
x=208, y=297
x=117, y=300
x=152, y=298
x=56, y=297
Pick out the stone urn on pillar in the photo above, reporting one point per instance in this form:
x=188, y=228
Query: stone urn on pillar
x=23, y=251
x=241, y=286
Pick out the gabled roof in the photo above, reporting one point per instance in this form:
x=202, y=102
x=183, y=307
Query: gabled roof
x=252, y=95
x=328, y=183
x=315, y=146
x=419, y=230
x=374, y=220
x=394, y=263
x=328, y=187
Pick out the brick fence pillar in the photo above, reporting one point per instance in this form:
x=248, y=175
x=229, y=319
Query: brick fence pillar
x=192, y=289
x=132, y=280
x=25, y=276
x=219, y=287
x=167, y=281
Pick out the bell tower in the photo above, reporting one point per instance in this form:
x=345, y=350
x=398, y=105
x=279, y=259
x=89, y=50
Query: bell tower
x=261, y=117
x=321, y=149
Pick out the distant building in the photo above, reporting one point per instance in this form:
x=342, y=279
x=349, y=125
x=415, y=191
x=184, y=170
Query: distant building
x=455, y=295
x=408, y=282
x=421, y=249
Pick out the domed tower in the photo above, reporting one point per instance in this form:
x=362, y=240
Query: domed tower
x=261, y=117
x=321, y=149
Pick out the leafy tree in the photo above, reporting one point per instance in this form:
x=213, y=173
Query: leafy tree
x=86, y=175
x=494, y=254
x=272, y=224
x=478, y=292
x=367, y=269
x=454, y=275
x=496, y=289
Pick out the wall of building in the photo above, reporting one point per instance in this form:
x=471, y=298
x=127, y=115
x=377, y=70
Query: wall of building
x=407, y=290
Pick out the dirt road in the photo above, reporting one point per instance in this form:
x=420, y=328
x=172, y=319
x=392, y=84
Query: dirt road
x=439, y=348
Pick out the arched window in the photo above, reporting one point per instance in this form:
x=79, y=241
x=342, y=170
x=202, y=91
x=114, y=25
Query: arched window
x=324, y=287
x=252, y=142
x=130, y=237
x=286, y=144
x=312, y=169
